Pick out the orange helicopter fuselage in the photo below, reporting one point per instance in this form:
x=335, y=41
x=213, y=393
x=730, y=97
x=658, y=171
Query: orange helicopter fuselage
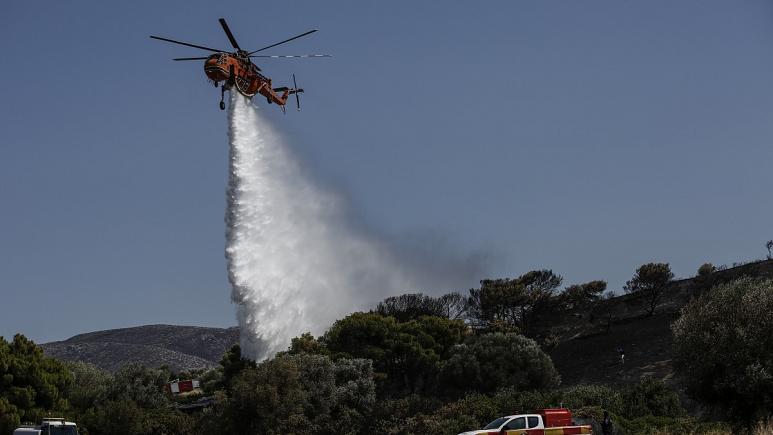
x=242, y=74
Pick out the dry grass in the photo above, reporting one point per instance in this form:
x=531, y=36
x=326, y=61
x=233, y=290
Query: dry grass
x=764, y=427
x=711, y=432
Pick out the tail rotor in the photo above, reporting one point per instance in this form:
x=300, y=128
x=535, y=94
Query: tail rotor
x=296, y=90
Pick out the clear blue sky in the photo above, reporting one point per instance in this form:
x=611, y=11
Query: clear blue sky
x=587, y=137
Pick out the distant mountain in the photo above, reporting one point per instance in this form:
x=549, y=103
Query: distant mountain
x=179, y=347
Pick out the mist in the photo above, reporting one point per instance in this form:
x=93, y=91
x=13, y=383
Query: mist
x=296, y=259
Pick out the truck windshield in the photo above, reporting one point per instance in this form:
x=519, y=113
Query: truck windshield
x=59, y=430
x=496, y=423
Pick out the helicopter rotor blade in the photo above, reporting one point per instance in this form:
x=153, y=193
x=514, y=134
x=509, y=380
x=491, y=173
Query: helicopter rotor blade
x=191, y=58
x=186, y=44
x=282, y=42
x=294, y=55
x=229, y=34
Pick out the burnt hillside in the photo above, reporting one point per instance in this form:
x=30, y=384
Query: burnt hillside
x=587, y=340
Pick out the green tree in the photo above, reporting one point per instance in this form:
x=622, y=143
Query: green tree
x=485, y=363
x=233, y=363
x=31, y=384
x=415, y=305
x=496, y=302
x=131, y=402
x=405, y=355
x=650, y=281
x=140, y=385
x=408, y=306
x=514, y=302
x=302, y=394
x=116, y=417
x=583, y=295
x=90, y=384
x=650, y=397
x=705, y=278
x=706, y=269
x=453, y=306
x=723, y=348
x=306, y=343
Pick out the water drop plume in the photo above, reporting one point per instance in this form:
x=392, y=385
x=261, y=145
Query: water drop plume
x=295, y=264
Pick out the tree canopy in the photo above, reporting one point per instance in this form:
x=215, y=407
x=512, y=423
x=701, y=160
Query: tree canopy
x=583, y=295
x=405, y=355
x=301, y=393
x=650, y=280
x=724, y=347
x=412, y=306
x=513, y=302
x=30, y=383
x=485, y=363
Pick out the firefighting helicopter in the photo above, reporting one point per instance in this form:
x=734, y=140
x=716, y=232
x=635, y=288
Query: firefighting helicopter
x=237, y=70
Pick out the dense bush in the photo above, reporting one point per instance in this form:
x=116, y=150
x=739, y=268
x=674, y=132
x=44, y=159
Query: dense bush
x=487, y=362
x=130, y=402
x=650, y=398
x=89, y=384
x=406, y=355
x=724, y=348
x=650, y=425
x=301, y=394
x=390, y=416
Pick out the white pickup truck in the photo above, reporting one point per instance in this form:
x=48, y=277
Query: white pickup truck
x=49, y=426
x=554, y=421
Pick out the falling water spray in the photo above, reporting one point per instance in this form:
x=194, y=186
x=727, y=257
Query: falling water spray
x=294, y=263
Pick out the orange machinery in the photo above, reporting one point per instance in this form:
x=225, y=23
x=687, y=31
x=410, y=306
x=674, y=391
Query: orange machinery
x=236, y=69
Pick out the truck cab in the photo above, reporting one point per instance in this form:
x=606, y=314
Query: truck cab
x=552, y=421
x=49, y=426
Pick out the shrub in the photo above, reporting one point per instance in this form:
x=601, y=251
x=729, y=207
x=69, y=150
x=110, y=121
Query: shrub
x=723, y=348
x=650, y=398
x=302, y=394
x=706, y=269
x=487, y=362
x=406, y=355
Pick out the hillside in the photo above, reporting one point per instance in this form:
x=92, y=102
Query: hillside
x=585, y=351
x=179, y=347
x=588, y=339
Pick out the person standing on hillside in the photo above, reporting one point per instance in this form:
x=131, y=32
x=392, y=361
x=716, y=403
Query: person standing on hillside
x=606, y=424
x=622, y=354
